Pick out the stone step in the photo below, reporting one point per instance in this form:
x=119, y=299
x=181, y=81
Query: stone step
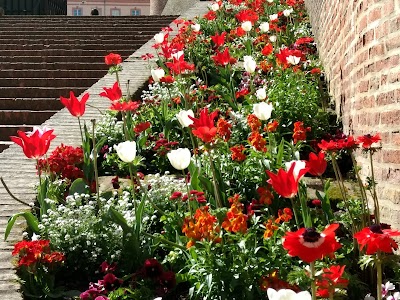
x=30, y=103
x=11, y=130
x=26, y=117
x=73, y=53
x=46, y=82
x=69, y=35
x=71, y=44
x=32, y=73
x=39, y=92
x=83, y=30
x=67, y=66
x=4, y=145
x=53, y=59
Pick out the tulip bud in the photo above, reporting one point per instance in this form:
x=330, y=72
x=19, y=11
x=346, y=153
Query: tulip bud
x=214, y=6
x=157, y=74
x=262, y=110
x=246, y=26
x=159, y=37
x=249, y=64
x=287, y=12
x=294, y=60
x=272, y=38
x=183, y=118
x=261, y=94
x=195, y=27
x=126, y=151
x=179, y=158
x=264, y=27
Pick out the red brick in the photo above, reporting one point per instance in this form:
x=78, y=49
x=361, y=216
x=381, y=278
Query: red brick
x=391, y=156
x=363, y=86
x=390, y=118
x=374, y=15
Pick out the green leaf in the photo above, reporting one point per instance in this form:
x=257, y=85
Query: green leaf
x=194, y=177
x=31, y=220
x=119, y=219
x=78, y=186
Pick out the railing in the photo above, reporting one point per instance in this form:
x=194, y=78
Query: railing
x=34, y=7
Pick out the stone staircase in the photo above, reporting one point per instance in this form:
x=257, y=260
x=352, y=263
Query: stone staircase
x=45, y=57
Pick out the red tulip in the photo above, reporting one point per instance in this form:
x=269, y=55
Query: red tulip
x=125, y=106
x=112, y=59
x=204, y=127
x=113, y=93
x=286, y=183
x=36, y=143
x=75, y=106
x=316, y=163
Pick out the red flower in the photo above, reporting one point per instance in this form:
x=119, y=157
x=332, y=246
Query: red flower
x=300, y=132
x=367, y=140
x=253, y=122
x=113, y=93
x=310, y=245
x=247, y=15
x=335, y=145
x=223, y=58
x=211, y=15
x=315, y=71
x=75, y=106
x=316, y=163
x=224, y=129
x=152, y=268
x=124, y=106
x=272, y=126
x=303, y=40
x=257, y=141
x=237, y=153
x=267, y=50
x=331, y=279
x=179, y=65
x=375, y=238
x=112, y=59
x=167, y=79
x=142, y=127
x=204, y=126
x=286, y=183
x=36, y=143
x=218, y=39
x=283, y=55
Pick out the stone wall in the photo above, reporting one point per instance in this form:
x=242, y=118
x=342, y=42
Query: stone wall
x=359, y=45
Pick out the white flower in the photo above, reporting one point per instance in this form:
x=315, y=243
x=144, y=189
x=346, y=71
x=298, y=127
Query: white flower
x=262, y=110
x=249, y=64
x=287, y=12
x=270, y=1
x=273, y=17
x=126, y=151
x=298, y=166
x=272, y=38
x=159, y=37
x=369, y=297
x=177, y=54
x=246, y=26
x=157, y=74
x=179, y=158
x=195, y=27
x=183, y=117
x=35, y=237
x=214, y=6
x=261, y=94
x=264, y=27
x=286, y=294
x=294, y=60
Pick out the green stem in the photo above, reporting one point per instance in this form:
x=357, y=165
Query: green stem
x=363, y=193
x=188, y=193
x=11, y=195
x=132, y=184
x=80, y=130
x=96, y=173
x=295, y=213
x=215, y=183
x=313, y=286
x=378, y=275
x=166, y=241
x=374, y=195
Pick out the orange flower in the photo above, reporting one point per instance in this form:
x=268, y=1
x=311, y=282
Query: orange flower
x=253, y=122
x=224, y=129
x=270, y=228
x=235, y=220
x=284, y=216
x=272, y=126
x=257, y=141
x=237, y=153
x=266, y=195
x=299, y=132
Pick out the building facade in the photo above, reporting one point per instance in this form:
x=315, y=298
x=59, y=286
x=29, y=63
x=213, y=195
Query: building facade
x=108, y=7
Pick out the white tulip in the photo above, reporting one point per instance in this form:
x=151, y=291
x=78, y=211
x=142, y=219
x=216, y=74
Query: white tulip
x=247, y=26
x=262, y=110
x=195, y=27
x=286, y=294
x=273, y=17
x=264, y=27
x=261, y=94
x=159, y=37
x=183, y=117
x=179, y=158
x=249, y=64
x=126, y=151
x=157, y=74
x=287, y=12
x=177, y=54
x=272, y=38
x=214, y=6
x=294, y=60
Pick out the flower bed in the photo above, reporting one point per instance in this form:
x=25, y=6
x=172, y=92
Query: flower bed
x=195, y=191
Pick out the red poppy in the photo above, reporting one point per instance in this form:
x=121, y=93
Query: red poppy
x=223, y=58
x=339, y=144
x=218, y=39
x=367, y=140
x=75, y=106
x=124, y=106
x=331, y=278
x=375, y=238
x=310, y=245
x=267, y=50
x=142, y=127
x=316, y=163
x=113, y=59
x=36, y=143
x=113, y=93
x=203, y=127
x=286, y=183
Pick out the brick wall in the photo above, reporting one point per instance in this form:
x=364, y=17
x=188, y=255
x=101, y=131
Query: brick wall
x=359, y=45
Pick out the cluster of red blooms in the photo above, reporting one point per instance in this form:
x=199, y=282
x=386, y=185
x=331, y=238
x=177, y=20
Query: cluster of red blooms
x=65, y=162
x=300, y=132
x=33, y=253
x=203, y=127
x=164, y=280
x=255, y=139
x=142, y=127
x=203, y=226
x=194, y=195
x=366, y=141
x=114, y=94
x=331, y=279
x=162, y=146
x=237, y=153
x=235, y=220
